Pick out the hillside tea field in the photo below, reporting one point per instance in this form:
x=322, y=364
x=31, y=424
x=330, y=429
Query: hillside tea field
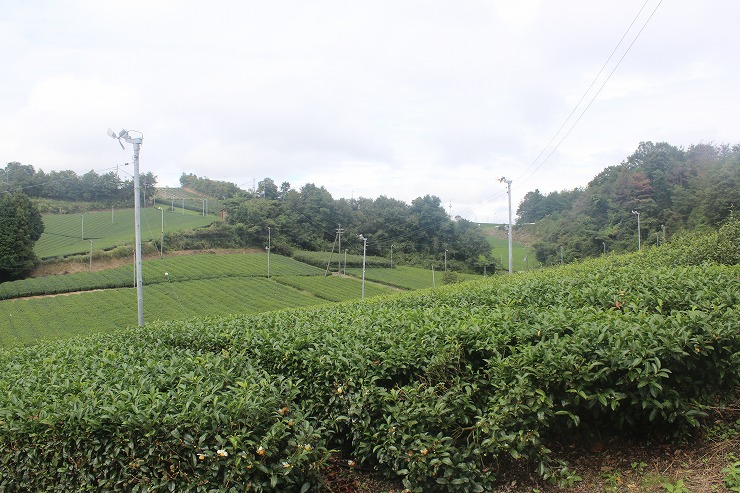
x=440, y=389
x=70, y=234
x=175, y=288
x=178, y=269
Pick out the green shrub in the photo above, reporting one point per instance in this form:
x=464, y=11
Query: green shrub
x=438, y=388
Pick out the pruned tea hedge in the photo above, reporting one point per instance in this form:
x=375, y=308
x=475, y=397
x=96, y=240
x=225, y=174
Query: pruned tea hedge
x=437, y=388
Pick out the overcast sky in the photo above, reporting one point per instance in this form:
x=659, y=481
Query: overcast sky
x=367, y=98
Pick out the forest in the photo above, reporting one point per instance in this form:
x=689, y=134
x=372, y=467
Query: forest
x=311, y=219
x=673, y=190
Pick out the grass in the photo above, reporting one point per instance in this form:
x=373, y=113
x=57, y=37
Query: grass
x=70, y=234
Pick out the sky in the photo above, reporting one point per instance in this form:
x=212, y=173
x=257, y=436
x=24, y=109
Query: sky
x=402, y=98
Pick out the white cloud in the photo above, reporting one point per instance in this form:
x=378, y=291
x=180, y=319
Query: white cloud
x=375, y=98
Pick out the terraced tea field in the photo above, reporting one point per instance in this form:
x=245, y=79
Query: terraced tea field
x=406, y=277
x=175, y=288
x=444, y=390
x=70, y=234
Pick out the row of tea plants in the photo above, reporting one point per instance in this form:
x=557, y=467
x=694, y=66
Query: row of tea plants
x=177, y=269
x=440, y=389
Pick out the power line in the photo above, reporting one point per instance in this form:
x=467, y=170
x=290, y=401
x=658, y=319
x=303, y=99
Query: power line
x=521, y=178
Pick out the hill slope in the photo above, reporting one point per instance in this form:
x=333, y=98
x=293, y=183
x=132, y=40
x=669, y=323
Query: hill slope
x=444, y=389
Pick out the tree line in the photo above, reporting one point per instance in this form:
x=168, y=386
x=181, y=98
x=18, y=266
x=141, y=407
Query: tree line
x=310, y=218
x=103, y=189
x=672, y=188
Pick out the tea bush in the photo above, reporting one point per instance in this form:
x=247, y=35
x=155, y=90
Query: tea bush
x=437, y=388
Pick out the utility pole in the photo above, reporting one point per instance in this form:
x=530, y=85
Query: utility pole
x=511, y=258
x=269, y=247
x=112, y=208
x=445, y=261
x=137, y=223
x=161, y=241
x=124, y=135
x=339, y=263
x=662, y=226
x=639, y=235
x=391, y=255
x=364, y=250
x=328, y=262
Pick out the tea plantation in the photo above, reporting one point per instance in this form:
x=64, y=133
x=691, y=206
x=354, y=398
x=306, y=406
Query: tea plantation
x=175, y=288
x=70, y=234
x=440, y=389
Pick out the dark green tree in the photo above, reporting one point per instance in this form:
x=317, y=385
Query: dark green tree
x=20, y=227
x=681, y=189
x=267, y=189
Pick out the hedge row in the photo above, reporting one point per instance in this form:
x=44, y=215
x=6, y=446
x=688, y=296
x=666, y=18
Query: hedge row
x=437, y=388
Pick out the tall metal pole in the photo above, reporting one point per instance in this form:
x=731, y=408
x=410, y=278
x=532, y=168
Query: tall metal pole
x=339, y=251
x=511, y=253
x=161, y=241
x=269, y=247
x=124, y=135
x=364, y=251
x=137, y=224
x=639, y=235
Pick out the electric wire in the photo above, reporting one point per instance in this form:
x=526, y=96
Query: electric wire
x=520, y=179
x=523, y=177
